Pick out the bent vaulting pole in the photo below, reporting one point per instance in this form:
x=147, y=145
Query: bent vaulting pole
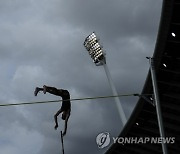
x=157, y=102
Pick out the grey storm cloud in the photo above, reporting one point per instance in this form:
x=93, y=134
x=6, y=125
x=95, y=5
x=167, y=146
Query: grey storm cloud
x=41, y=42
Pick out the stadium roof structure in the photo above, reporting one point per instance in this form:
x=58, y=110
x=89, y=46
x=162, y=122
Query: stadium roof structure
x=143, y=120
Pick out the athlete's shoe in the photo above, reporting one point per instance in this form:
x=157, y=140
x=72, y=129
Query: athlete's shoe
x=36, y=91
x=44, y=89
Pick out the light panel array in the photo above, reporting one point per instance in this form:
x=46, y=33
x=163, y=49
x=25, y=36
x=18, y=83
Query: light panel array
x=94, y=48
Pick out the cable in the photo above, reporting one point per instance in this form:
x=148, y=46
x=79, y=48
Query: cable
x=76, y=99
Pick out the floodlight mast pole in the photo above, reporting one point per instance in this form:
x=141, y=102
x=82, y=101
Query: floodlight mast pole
x=114, y=91
x=96, y=52
x=157, y=102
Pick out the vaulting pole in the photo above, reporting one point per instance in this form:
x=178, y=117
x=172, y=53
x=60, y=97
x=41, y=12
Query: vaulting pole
x=62, y=142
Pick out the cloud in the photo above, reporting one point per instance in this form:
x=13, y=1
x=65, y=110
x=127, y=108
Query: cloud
x=17, y=139
x=41, y=42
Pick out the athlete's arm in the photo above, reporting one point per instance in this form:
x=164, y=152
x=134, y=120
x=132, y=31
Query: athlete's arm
x=65, y=125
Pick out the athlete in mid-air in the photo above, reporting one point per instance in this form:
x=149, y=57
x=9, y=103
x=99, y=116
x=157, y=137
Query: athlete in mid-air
x=66, y=104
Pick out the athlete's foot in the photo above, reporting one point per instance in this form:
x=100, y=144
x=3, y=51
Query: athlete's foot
x=36, y=91
x=44, y=89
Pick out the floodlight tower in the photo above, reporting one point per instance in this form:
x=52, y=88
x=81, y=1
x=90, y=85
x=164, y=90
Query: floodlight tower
x=96, y=52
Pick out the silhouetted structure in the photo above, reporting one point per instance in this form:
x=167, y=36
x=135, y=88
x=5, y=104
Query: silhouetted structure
x=143, y=121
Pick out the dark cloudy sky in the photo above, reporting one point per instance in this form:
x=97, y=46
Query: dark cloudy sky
x=41, y=42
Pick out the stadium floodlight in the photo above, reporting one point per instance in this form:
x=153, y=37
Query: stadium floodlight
x=173, y=34
x=95, y=50
x=97, y=53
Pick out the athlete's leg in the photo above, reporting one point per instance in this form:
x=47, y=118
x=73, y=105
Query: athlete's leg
x=66, y=121
x=55, y=118
x=51, y=90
